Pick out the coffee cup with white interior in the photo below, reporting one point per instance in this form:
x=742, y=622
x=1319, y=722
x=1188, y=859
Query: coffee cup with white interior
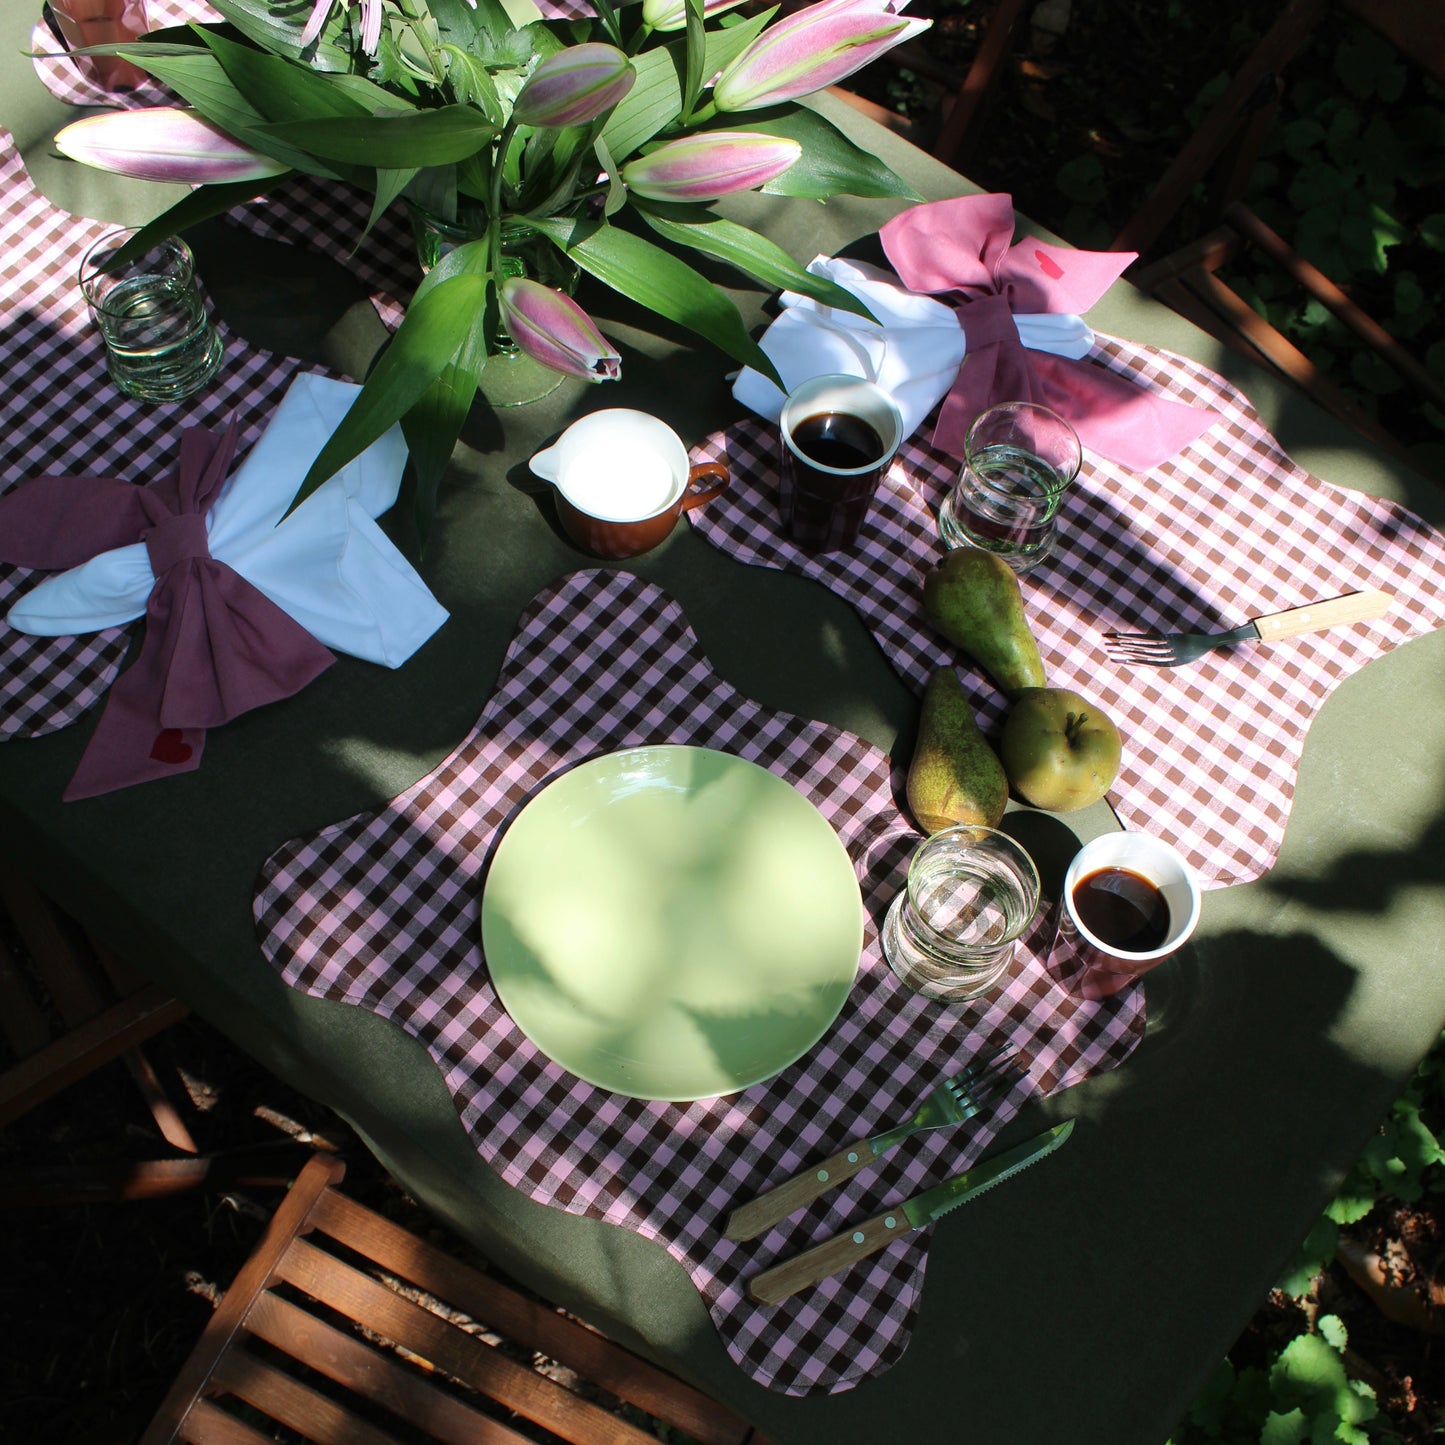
x=621, y=481
x=839, y=433
x=1129, y=902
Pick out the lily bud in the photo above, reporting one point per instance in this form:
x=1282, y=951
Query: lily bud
x=553, y=329
x=811, y=49
x=672, y=14
x=574, y=86
x=712, y=164
x=162, y=143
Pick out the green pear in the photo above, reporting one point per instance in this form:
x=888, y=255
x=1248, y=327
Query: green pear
x=973, y=599
x=954, y=777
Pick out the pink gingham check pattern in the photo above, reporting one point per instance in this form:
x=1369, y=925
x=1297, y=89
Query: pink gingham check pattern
x=1228, y=530
x=382, y=911
x=60, y=413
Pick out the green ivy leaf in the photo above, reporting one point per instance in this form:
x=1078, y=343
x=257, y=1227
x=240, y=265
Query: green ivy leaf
x=1332, y=1328
x=1301, y=137
x=1431, y=231
x=1212, y=1403
x=1318, y=185
x=1368, y=65
x=1316, y=1251
x=1288, y=1429
x=1082, y=179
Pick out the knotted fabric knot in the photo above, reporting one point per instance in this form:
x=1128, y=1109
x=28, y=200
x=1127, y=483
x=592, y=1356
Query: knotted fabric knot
x=176, y=539
x=963, y=250
x=215, y=645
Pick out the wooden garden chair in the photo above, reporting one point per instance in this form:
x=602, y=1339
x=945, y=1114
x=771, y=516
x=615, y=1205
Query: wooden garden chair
x=1222, y=152
x=345, y=1327
x=68, y=1005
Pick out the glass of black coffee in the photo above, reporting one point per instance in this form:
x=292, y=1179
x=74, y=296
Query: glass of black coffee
x=839, y=434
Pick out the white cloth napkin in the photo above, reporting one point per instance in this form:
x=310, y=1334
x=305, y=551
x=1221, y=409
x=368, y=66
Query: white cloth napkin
x=913, y=351
x=328, y=565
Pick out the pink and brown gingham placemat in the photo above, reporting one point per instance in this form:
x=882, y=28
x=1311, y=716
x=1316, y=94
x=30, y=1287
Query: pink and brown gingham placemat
x=382, y=911
x=1227, y=530
x=60, y=413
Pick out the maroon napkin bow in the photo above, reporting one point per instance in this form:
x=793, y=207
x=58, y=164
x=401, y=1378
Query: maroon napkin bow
x=214, y=645
x=963, y=250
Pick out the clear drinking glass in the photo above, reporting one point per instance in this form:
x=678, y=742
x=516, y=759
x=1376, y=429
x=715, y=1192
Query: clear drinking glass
x=972, y=892
x=102, y=22
x=1018, y=461
x=159, y=342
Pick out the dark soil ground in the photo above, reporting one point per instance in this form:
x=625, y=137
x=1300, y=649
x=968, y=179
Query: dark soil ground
x=100, y=1303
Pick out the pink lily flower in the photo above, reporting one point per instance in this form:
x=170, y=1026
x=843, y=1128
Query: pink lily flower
x=163, y=143
x=553, y=329
x=711, y=164
x=810, y=50
x=574, y=86
x=370, y=22
x=672, y=14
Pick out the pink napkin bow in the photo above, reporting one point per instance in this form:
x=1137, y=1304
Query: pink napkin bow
x=964, y=249
x=214, y=645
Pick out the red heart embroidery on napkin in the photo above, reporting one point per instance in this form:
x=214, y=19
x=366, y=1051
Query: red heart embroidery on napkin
x=1048, y=265
x=170, y=747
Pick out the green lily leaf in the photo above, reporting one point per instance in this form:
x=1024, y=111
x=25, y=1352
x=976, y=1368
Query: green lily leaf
x=392, y=142
x=281, y=90
x=433, y=423
x=658, y=280
x=257, y=20
x=830, y=164
x=201, y=205
x=616, y=191
x=389, y=185
x=426, y=343
x=655, y=99
x=752, y=254
x=695, y=72
x=199, y=81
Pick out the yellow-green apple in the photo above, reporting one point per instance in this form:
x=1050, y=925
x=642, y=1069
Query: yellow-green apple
x=1059, y=750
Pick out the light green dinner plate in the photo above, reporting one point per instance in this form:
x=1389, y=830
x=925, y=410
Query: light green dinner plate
x=672, y=923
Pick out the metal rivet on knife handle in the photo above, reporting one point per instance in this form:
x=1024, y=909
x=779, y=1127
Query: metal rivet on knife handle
x=749, y=1220
x=813, y=1265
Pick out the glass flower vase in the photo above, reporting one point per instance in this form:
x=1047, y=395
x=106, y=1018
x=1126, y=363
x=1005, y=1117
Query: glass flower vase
x=510, y=377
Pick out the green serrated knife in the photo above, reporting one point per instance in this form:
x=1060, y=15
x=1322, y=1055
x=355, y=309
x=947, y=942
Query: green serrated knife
x=846, y=1249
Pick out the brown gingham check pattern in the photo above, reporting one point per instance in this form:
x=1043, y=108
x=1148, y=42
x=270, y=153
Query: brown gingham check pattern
x=382, y=911
x=61, y=414
x=1225, y=531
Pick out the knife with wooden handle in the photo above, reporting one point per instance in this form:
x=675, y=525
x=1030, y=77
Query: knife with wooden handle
x=846, y=1249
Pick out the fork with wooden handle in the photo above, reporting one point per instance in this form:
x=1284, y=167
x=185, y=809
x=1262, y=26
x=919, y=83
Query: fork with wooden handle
x=956, y=1099
x=1174, y=649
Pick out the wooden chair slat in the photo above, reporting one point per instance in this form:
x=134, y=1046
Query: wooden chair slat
x=290, y=1403
x=529, y=1323
x=430, y=1390
x=85, y=1048
x=462, y=1355
x=345, y=1359
x=23, y=1023
x=289, y=1219
x=208, y=1424
x=74, y=982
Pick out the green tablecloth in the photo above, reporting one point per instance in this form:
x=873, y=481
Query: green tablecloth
x=1088, y=1300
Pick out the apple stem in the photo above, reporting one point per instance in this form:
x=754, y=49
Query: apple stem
x=1074, y=724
